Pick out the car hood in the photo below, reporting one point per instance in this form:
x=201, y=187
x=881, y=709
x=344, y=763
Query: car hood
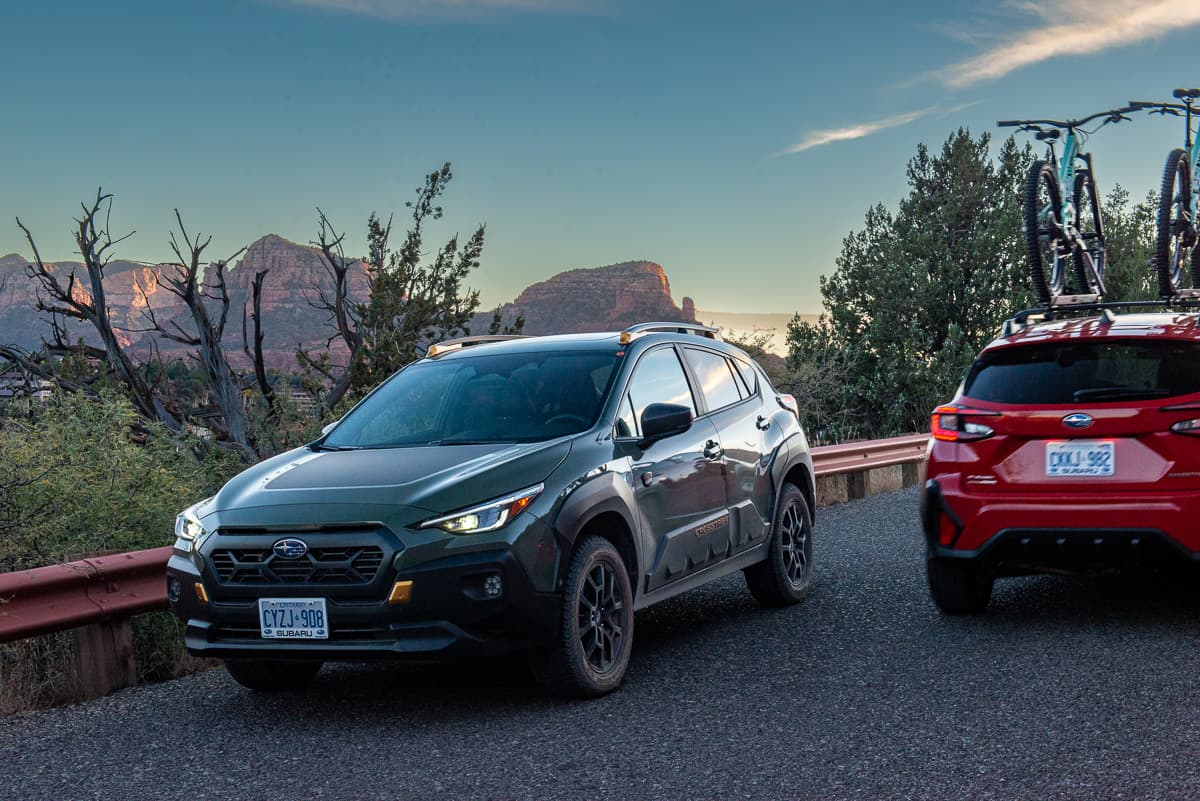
x=434, y=479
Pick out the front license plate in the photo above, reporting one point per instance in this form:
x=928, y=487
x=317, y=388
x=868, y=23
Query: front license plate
x=293, y=618
x=1080, y=458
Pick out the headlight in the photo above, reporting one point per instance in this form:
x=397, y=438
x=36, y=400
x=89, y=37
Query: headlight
x=488, y=516
x=188, y=526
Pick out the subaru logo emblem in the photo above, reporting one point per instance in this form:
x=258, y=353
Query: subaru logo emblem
x=1078, y=420
x=290, y=548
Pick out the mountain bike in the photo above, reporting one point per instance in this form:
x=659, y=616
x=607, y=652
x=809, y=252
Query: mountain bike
x=1058, y=223
x=1175, y=242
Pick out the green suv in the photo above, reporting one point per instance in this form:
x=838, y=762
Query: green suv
x=505, y=493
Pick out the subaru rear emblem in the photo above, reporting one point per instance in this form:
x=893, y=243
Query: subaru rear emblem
x=290, y=548
x=1078, y=420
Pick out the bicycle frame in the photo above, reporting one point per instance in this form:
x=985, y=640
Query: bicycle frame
x=1066, y=169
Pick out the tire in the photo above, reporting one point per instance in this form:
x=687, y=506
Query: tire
x=787, y=574
x=1174, y=226
x=1043, y=232
x=271, y=675
x=595, y=634
x=957, y=587
x=1090, y=222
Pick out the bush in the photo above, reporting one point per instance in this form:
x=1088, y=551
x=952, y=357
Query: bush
x=84, y=476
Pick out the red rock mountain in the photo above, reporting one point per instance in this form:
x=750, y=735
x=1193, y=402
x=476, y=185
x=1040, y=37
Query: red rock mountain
x=602, y=298
x=599, y=299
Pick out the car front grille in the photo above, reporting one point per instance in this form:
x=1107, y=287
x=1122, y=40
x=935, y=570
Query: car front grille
x=340, y=565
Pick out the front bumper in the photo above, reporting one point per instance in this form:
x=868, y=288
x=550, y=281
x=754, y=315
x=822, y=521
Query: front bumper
x=448, y=615
x=1035, y=532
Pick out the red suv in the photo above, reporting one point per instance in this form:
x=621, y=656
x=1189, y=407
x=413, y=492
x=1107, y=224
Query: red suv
x=1071, y=445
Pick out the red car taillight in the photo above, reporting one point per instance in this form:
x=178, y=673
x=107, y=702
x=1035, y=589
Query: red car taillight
x=1189, y=427
x=957, y=424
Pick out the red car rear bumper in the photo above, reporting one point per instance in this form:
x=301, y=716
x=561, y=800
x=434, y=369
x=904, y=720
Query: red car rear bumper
x=1032, y=530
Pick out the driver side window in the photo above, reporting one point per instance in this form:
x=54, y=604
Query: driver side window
x=659, y=378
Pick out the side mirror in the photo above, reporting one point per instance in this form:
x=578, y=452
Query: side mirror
x=664, y=419
x=325, y=429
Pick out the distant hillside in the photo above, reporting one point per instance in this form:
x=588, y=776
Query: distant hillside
x=741, y=323
x=596, y=299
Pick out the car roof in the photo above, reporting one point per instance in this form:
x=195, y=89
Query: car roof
x=586, y=342
x=1160, y=325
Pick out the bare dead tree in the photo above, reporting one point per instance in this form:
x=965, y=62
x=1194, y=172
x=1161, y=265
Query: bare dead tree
x=260, y=368
x=343, y=313
x=198, y=289
x=71, y=300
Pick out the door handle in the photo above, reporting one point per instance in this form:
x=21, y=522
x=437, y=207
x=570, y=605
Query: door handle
x=712, y=450
x=762, y=423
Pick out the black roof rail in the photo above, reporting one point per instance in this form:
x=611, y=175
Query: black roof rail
x=465, y=342
x=634, y=331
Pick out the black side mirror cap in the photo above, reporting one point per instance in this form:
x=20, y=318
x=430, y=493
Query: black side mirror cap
x=664, y=419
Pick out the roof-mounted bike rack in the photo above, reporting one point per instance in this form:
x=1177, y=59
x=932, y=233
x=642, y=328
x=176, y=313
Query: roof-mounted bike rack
x=1022, y=320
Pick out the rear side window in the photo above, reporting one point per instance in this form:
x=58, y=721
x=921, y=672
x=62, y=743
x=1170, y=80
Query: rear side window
x=747, y=374
x=715, y=378
x=1086, y=372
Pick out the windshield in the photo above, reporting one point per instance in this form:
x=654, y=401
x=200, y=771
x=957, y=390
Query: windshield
x=1087, y=372
x=512, y=397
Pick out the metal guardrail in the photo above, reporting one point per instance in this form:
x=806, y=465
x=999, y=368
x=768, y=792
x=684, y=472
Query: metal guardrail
x=107, y=588
x=852, y=457
x=95, y=590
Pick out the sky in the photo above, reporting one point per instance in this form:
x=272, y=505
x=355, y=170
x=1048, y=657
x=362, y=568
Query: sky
x=735, y=143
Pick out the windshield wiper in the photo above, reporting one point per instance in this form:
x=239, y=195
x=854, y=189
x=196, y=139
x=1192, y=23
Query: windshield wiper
x=1118, y=393
x=324, y=447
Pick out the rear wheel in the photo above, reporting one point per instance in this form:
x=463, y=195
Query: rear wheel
x=1090, y=223
x=1043, y=232
x=957, y=587
x=1176, y=237
x=272, y=675
x=596, y=630
x=786, y=575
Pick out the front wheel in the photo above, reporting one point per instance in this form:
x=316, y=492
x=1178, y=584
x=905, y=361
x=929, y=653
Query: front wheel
x=787, y=574
x=595, y=634
x=1044, y=238
x=1176, y=236
x=1089, y=278
x=272, y=675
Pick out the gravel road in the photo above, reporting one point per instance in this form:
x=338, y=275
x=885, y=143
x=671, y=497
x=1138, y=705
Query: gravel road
x=1066, y=688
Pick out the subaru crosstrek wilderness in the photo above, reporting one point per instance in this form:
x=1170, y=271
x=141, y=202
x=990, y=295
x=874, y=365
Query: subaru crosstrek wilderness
x=1071, y=445
x=529, y=493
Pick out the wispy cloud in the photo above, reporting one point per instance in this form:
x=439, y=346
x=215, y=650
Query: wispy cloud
x=830, y=135
x=401, y=9
x=1071, y=27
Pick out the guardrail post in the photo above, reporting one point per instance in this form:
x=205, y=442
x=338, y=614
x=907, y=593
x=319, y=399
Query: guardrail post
x=103, y=658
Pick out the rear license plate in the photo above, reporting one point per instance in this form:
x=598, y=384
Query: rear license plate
x=1080, y=458
x=293, y=618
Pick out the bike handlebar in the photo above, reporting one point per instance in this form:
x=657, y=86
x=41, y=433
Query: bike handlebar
x=1112, y=115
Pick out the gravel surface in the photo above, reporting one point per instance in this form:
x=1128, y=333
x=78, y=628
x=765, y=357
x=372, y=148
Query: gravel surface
x=1066, y=688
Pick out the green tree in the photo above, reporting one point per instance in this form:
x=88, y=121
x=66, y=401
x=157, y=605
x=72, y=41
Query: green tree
x=1129, y=244
x=917, y=292
x=413, y=302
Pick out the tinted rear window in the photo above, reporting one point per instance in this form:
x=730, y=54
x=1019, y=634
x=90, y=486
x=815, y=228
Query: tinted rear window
x=1087, y=372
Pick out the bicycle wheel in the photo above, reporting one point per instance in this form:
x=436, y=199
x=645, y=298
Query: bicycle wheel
x=1174, y=227
x=1043, y=232
x=1090, y=223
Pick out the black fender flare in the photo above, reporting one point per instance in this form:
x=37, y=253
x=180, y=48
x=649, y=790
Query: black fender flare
x=609, y=491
